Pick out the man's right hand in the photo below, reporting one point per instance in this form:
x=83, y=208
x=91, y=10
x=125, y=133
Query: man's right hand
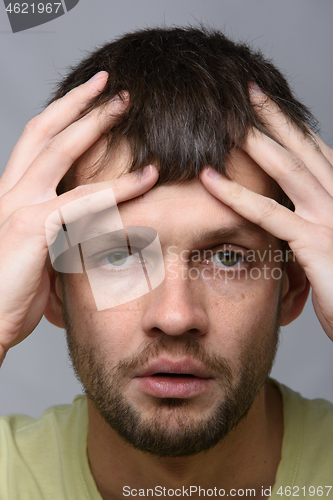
x=49, y=145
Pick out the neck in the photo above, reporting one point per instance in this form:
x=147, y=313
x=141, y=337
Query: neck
x=247, y=458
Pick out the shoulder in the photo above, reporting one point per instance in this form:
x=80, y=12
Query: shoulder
x=313, y=412
x=29, y=439
x=43, y=458
x=310, y=418
x=307, y=450
x=60, y=416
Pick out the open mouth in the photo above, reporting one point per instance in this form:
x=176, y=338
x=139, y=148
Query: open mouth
x=184, y=375
x=174, y=378
x=173, y=384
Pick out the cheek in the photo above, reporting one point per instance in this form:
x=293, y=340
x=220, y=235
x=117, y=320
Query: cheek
x=109, y=331
x=243, y=314
x=78, y=298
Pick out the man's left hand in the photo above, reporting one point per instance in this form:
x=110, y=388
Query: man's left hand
x=303, y=168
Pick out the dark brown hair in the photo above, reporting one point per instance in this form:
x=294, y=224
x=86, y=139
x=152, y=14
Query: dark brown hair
x=189, y=98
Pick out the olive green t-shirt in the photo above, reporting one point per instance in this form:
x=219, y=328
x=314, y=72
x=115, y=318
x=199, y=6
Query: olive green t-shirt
x=46, y=459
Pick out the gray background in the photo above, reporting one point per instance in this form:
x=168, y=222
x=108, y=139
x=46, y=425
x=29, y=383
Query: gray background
x=297, y=34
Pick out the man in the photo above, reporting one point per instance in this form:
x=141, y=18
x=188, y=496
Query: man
x=203, y=144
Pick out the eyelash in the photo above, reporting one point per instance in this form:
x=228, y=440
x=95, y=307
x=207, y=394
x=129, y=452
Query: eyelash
x=236, y=254
x=114, y=268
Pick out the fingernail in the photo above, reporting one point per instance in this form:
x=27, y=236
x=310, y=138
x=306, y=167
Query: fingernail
x=123, y=97
x=211, y=172
x=116, y=98
x=98, y=75
x=254, y=89
x=144, y=172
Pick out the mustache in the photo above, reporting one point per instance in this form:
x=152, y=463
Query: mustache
x=216, y=365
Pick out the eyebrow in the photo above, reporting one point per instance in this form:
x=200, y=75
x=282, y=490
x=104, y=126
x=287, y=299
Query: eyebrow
x=136, y=236
x=215, y=236
x=142, y=236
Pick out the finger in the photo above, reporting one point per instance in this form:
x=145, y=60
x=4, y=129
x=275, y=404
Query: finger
x=265, y=212
x=94, y=199
x=124, y=188
x=55, y=118
x=325, y=149
x=314, y=153
x=60, y=153
x=23, y=245
x=30, y=223
x=296, y=180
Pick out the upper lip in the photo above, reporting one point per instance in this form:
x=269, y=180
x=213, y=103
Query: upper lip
x=185, y=366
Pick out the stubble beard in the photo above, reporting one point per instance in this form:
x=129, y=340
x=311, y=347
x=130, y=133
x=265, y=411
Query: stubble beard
x=187, y=435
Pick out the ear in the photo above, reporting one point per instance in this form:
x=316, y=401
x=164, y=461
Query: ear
x=295, y=291
x=53, y=310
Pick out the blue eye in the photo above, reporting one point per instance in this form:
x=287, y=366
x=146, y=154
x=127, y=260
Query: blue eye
x=118, y=257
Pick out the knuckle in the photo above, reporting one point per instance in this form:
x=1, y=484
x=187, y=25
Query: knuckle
x=293, y=164
x=20, y=220
x=329, y=155
x=32, y=126
x=58, y=109
x=308, y=143
x=82, y=191
x=38, y=125
x=237, y=191
x=267, y=208
x=53, y=147
x=56, y=147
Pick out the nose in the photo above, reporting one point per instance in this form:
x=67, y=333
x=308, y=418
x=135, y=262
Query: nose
x=176, y=307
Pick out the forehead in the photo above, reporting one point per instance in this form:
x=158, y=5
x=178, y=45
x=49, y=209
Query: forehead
x=180, y=208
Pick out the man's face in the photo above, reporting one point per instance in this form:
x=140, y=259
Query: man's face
x=176, y=369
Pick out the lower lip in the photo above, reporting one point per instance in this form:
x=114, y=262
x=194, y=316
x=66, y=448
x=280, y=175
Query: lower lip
x=173, y=387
